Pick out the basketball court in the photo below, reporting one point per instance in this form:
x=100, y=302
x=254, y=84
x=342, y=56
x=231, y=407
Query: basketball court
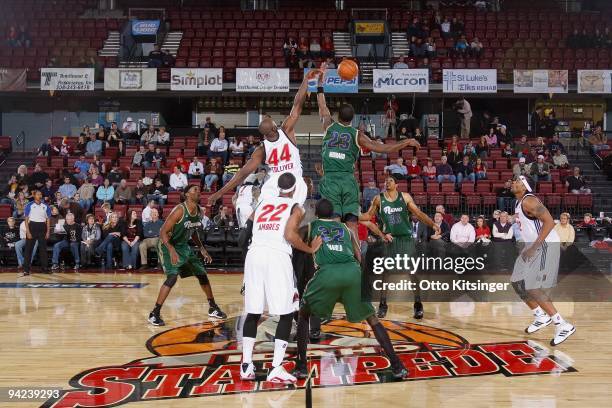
x=64, y=331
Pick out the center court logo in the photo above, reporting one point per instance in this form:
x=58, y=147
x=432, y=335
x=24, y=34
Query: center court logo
x=204, y=360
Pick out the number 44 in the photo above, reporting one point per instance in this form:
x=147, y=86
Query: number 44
x=285, y=155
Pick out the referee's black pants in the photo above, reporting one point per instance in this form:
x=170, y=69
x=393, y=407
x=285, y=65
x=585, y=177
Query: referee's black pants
x=38, y=230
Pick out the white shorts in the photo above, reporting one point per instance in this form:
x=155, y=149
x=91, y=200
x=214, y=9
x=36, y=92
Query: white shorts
x=243, y=212
x=542, y=270
x=268, y=280
x=270, y=190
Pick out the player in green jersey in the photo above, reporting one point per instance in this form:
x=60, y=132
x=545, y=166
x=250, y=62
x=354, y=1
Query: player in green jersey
x=341, y=148
x=337, y=279
x=392, y=209
x=177, y=258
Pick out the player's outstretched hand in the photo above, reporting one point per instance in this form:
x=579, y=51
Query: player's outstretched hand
x=316, y=244
x=212, y=199
x=206, y=256
x=412, y=143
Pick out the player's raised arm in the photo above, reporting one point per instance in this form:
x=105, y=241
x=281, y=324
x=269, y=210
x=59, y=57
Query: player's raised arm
x=324, y=113
x=366, y=143
x=298, y=104
x=372, y=210
x=421, y=216
x=164, y=235
x=292, y=234
x=250, y=167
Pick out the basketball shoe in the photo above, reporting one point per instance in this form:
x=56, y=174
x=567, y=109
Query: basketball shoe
x=247, y=371
x=280, y=375
x=300, y=370
x=156, y=320
x=418, y=310
x=562, y=332
x=382, y=310
x=539, y=322
x=215, y=311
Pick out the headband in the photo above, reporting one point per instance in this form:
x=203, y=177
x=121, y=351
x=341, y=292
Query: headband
x=525, y=183
x=287, y=190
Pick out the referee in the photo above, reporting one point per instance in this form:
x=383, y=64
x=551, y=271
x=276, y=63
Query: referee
x=38, y=227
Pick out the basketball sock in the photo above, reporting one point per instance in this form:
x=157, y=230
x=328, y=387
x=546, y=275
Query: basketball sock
x=248, y=343
x=383, y=339
x=211, y=302
x=539, y=312
x=557, y=319
x=279, y=352
x=157, y=309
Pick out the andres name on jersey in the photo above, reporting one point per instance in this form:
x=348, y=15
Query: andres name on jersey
x=270, y=226
x=337, y=155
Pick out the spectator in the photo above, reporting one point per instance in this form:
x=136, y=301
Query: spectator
x=141, y=191
x=38, y=178
x=482, y=148
x=461, y=46
x=219, y=146
x=90, y=236
x=454, y=156
x=72, y=239
x=182, y=164
x=522, y=147
x=236, y=147
x=224, y=218
x=206, y=222
x=414, y=29
x=146, y=212
x=251, y=145
x=131, y=240
x=327, y=48
x=105, y=193
x=98, y=164
x=521, y=168
x=539, y=146
x=465, y=171
x=588, y=225
x=46, y=149
x=555, y=145
x=19, y=204
x=124, y=193
x=20, y=246
x=397, y=170
x=139, y=157
x=289, y=45
x=156, y=57
x=94, y=146
x=159, y=193
x=564, y=229
x=448, y=218
x=540, y=171
x=67, y=189
x=10, y=192
x=469, y=150
x=400, y=64
x=115, y=176
x=196, y=169
x=158, y=158
x=445, y=28
x=403, y=134
x=9, y=235
x=560, y=160
x=149, y=136
x=86, y=192
x=369, y=192
x=502, y=229
x=491, y=138
x=302, y=48
x=483, y=233
x=178, y=180
x=463, y=233
x=576, y=184
x=229, y=172
x=444, y=234
x=81, y=168
x=112, y=233
x=149, y=156
x=464, y=110
x=315, y=48
x=329, y=63
x=508, y=152
x=476, y=48
x=212, y=174
x=48, y=191
x=598, y=140
x=445, y=172
x=151, y=229
x=505, y=197
x=429, y=171
x=204, y=141
x=480, y=169
x=96, y=179
x=114, y=139
x=414, y=170
x=163, y=137
x=417, y=48
x=430, y=49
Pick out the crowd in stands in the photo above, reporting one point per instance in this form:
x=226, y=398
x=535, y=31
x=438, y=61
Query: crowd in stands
x=586, y=39
x=98, y=210
x=305, y=53
x=18, y=37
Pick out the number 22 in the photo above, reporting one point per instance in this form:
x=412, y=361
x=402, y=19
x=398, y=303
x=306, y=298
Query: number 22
x=267, y=209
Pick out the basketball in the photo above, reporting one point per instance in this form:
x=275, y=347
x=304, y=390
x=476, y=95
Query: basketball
x=348, y=70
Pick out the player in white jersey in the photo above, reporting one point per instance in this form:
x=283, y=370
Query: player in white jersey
x=268, y=274
x=279, y=151
x=537, y=266
x=244, y=201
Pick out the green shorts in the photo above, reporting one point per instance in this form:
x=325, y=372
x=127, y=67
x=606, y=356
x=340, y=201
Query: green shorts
x=337, y=283
x=189, y=264
x=343, y=192
x=399, y=246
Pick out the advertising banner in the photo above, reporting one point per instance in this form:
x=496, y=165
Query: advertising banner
x=262, y=79
x=196, y=79
x=540, y=81
x=334, y=84
x=595, y=81
x=145, y=27
x=469, y=80
x=12, y=80
x=67, y=79
x=130, y=79
x=400, y=80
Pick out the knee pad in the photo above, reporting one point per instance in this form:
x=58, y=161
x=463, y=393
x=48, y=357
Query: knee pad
x=519, y=288
x=203, y=279
x=283, y=330
x=171, y=281
x=350, y=218
x=250, y=325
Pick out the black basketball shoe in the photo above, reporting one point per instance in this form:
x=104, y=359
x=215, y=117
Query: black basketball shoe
x=155, y=319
